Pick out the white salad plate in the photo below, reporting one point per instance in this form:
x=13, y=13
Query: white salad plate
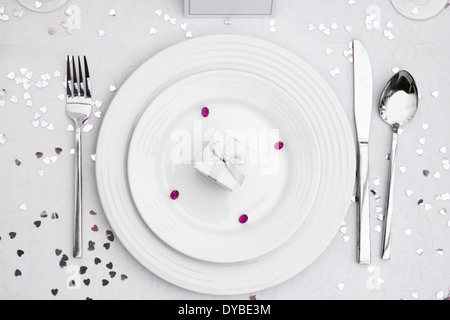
x=419, y=9
x=280, y=185
x=308, y=91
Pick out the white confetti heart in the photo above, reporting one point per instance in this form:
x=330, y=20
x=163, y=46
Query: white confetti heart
x=11, y=76
x=189, y=34
x=112, y=88
x=88, y=127
x=37, y=4
x=158, y=12
x=152, y=30
x=183, y=26
x=23, y=207
x=101, y=33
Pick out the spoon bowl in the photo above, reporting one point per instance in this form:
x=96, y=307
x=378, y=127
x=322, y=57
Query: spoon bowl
x=399, y=100
x=398, y=106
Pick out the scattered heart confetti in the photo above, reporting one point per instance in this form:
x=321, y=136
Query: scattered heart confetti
x=279, y=145
x=175, y=195
x=205, y=112
x=3, y=138
x=243, y=219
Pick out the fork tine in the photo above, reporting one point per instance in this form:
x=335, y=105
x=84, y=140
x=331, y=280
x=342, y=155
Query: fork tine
x=68, y=79
x=75, y=79
x=88, y=78
x=80, y=75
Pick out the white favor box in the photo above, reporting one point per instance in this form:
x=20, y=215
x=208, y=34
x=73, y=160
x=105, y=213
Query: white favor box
x=214, y=168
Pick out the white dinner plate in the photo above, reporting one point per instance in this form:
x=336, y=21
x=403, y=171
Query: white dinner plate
x=280, y=186
x=263, y=59
x=419, y=9
x=42, y=5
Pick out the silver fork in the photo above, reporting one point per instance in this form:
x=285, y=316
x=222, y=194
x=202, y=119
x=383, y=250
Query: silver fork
x=79, y=106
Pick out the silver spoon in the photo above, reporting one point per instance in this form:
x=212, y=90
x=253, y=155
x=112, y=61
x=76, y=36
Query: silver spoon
x=398, y=106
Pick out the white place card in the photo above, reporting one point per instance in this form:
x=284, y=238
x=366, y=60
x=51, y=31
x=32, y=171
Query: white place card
x=229, y=8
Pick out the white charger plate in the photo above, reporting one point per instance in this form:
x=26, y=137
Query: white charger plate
x=280, y=186
x=419, y=9
x=236, y=53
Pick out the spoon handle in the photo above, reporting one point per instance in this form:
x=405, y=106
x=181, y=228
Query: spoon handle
x=390, y=196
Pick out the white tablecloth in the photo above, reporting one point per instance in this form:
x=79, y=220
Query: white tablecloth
x=36, y=145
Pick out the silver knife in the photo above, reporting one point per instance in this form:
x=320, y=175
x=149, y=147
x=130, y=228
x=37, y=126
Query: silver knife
x=363, y=99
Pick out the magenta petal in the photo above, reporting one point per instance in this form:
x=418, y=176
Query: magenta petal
x=243, y=219
x=174, y=195
x=279, y=145
x=205, y=112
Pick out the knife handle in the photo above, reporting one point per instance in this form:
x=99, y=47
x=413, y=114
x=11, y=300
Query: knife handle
x=364, y=252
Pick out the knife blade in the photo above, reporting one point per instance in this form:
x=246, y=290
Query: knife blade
x=363, y=103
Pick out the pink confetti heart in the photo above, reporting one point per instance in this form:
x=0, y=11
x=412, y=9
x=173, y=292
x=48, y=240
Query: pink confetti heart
x=17, y=13
x=18, y=80
x=243, y=219
x=112, y=88
x=35, y=123
x=175, y=195
x=2, y=10
x=13, y=99
x=101, y=33
x=279, y=145
x=43, y=109
x=57, y=74
x=51, y=31
x=44, y=123
x=2, y=103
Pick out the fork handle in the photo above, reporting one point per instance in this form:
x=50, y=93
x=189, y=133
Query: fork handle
x=77, y=245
